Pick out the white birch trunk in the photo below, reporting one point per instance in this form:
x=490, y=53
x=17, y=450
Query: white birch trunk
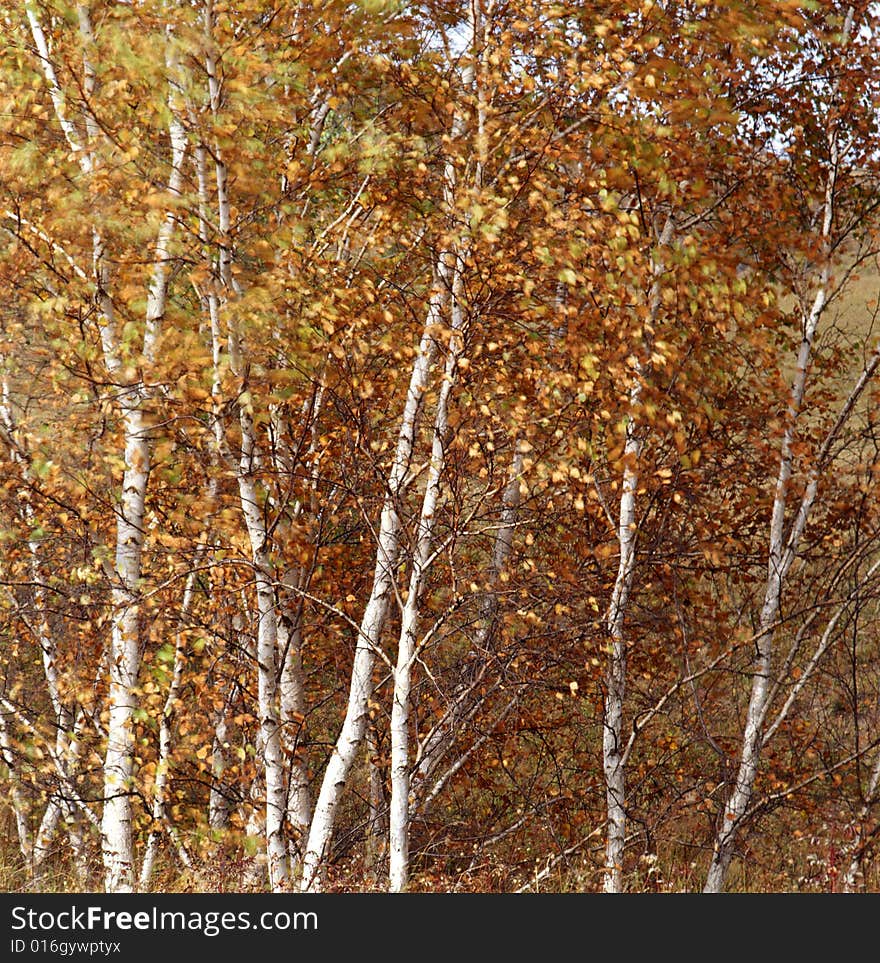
x=353, y=727
x=117, y=847
x=272, y=819
x=853, y=876
x=116, y=830
x=293, y=716
x=612, y=717
x=275, y=805
x=219, y=805
x=16, y=795
x=782, y=552
x=350, y=737
x=40, y=848
x=125, y=638
x=267, y=637
x=398, y=818
x=613, y=742
x=290, y=642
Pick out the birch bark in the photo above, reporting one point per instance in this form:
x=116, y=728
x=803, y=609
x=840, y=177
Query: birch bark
x=373, y=620
x=267, y=637
x=613, y=742
x=124, y=660
x=375, y=612
x=406, y=652
x=16, y=792
x=783, y=547
x=854, y=871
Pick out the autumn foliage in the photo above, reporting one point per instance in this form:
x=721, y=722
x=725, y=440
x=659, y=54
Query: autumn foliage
x=439, y=445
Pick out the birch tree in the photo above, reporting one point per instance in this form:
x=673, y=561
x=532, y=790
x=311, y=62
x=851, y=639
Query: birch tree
x=786, y=533
x=437, y=445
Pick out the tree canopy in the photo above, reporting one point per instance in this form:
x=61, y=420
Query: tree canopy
x=439, y=445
